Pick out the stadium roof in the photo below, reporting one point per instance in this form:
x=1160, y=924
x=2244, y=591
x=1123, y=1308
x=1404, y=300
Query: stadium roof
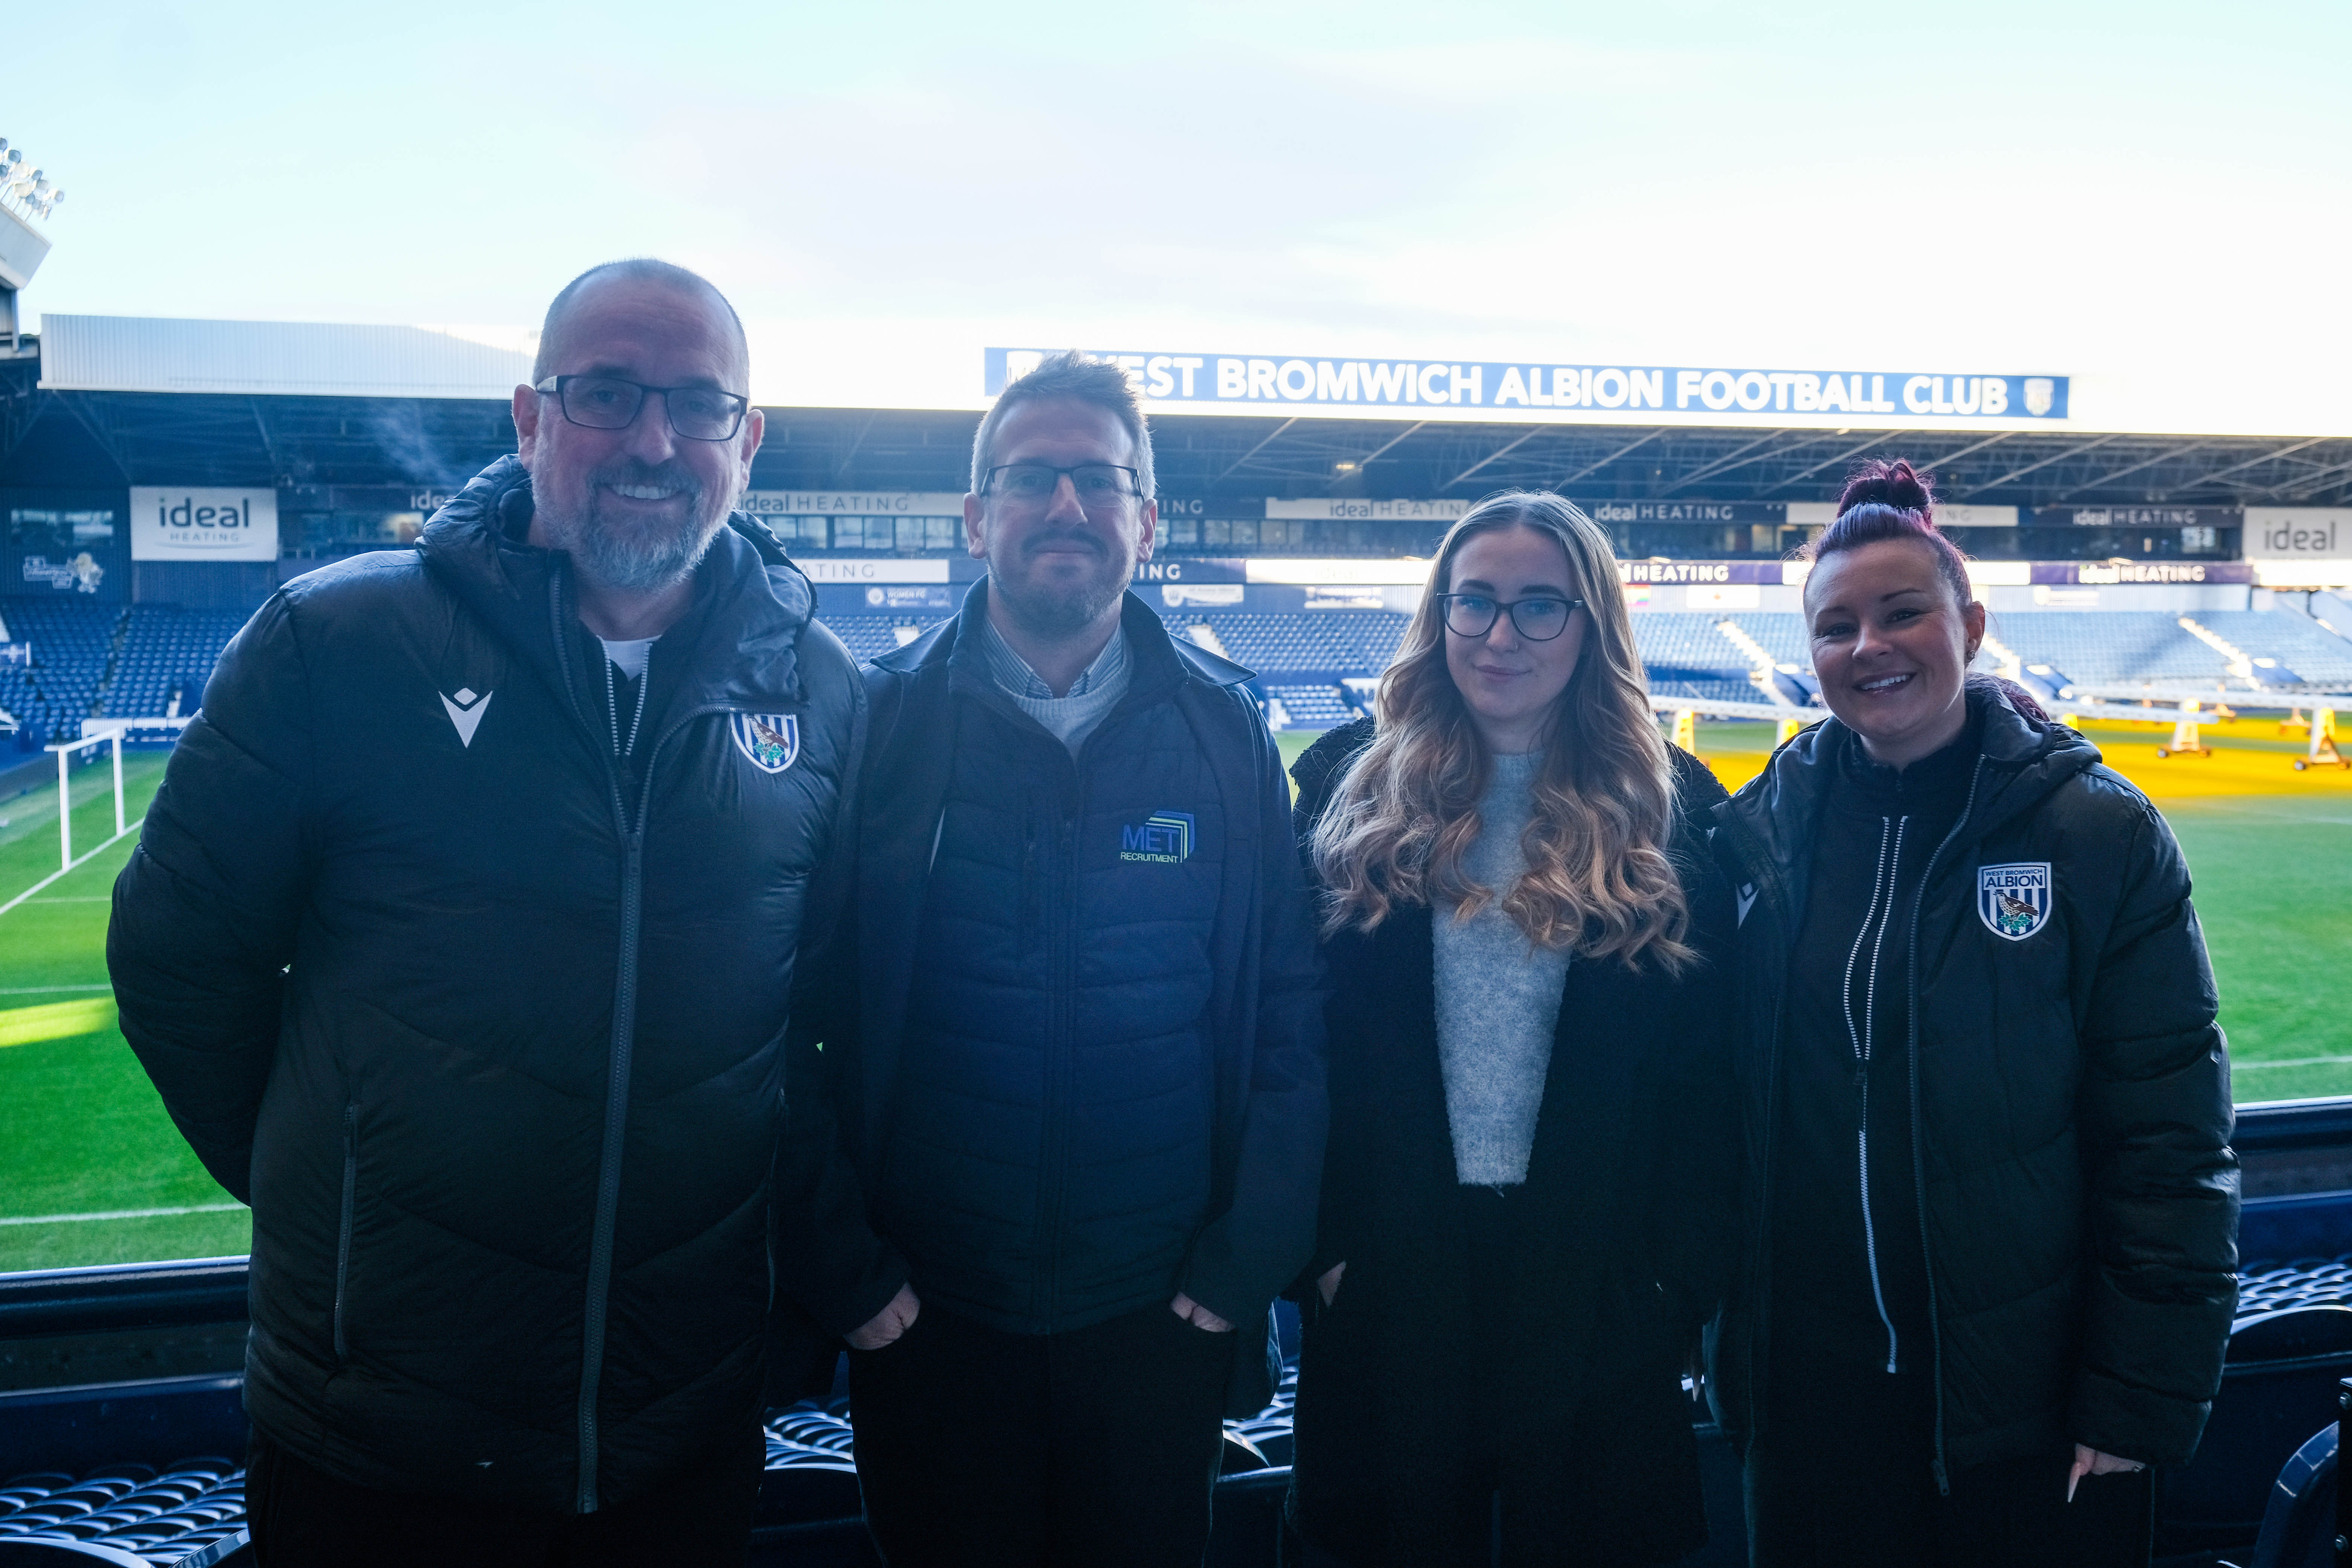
x=121, y=400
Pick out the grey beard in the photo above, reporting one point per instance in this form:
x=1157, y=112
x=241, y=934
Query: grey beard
x=635, y=563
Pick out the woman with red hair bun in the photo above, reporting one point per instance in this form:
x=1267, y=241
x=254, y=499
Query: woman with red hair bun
x=1989, y=1264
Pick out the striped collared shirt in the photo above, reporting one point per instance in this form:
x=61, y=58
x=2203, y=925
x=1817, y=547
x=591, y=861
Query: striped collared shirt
x=1073, y=716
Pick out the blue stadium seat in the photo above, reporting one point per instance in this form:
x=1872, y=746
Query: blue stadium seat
x=2279, y=1385
x=142, y=1513
x=2299, y=1525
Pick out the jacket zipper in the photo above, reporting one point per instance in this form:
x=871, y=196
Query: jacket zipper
x=1883, y=887
x=343, y=1229
x=622, y=1048
x=1918, y=1134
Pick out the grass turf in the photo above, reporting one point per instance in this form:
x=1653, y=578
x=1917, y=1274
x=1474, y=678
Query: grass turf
x=82, y=1132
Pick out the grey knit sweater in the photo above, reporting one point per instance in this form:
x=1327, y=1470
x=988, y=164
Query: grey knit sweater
x=1498, y=998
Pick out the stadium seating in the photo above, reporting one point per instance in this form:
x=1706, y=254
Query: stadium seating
x=152, y=1514
x=166, y=656
x=2291, y=1344
x=2318, y=656
x=2299, y=1525
x=871, y=636
x=1352, y=642
x=72, y=637
x=2111, y=648
x=1311, y=707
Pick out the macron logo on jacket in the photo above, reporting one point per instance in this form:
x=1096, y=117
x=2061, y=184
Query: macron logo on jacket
x=466, y=712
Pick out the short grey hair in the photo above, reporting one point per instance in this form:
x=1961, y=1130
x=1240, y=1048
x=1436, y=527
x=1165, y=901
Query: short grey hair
x=1075, y=377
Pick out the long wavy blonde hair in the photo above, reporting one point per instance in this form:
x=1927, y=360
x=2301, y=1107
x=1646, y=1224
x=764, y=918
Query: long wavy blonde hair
x=1599, y=881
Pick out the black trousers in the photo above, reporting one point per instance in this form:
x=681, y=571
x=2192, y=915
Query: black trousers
x=1086, y=1449
x=1840, y=1479
x=302, y=1517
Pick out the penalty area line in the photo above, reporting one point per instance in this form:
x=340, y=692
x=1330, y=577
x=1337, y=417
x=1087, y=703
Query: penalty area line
x=79, y=860
x=119, y=1214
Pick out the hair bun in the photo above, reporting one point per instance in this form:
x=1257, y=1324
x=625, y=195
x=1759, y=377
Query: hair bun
x=1895, y=484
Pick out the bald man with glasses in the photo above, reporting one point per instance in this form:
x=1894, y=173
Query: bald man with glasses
x=1076, y=1051
x=501, y=850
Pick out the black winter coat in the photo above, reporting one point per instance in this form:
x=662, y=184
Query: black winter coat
x=2070, y=1114
x=1217, y=956
x=494, y=1052
x=1627, y=1217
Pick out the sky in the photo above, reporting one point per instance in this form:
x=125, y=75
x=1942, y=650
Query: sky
x=2154, y=198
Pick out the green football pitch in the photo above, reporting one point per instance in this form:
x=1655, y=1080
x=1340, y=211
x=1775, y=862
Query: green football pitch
x=92, y=1170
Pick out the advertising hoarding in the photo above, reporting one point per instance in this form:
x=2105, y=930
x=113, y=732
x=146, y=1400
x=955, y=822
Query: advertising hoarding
x=192, y=523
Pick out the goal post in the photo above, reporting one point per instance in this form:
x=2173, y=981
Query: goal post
x=96, y=732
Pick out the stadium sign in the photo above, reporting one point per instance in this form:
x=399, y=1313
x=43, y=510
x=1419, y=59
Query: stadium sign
x=853, y=504
x=2299, y=546
x=172, y=523
x=2162, y=572
x=2298, y=532
x=1698, y=394
x=2135, y=516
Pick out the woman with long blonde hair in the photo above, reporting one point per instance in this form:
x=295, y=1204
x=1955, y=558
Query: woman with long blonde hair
x=1526, y=1197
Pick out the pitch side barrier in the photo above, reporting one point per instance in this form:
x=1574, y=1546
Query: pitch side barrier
x=111, y=1378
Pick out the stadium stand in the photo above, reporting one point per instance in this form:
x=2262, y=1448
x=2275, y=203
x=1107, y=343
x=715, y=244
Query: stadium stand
x=90, y=659
x=2309, y=649
x=1310, y=707
x=71, y=639
x=1350, y=642
x=1688, y=655
x=871, y=636
x=2111, y=648
x=166, y=656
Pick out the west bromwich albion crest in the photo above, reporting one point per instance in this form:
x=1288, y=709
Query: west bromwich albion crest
x=2014, y=901
x=772, y=740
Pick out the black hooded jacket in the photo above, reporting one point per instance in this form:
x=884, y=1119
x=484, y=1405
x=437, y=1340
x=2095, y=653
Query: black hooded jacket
x=2069, y=1108
x=488, y=1031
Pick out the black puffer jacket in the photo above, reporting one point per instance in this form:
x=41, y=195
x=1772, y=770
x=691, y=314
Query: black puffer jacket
x=2071, y=1115
x=508, y=1120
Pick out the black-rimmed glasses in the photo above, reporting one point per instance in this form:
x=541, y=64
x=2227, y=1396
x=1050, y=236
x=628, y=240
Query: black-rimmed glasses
x=1102, y=485
x=610, y=403
x=1539, y=619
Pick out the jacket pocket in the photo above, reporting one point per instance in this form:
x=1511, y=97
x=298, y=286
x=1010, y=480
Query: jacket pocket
x=343, y=1229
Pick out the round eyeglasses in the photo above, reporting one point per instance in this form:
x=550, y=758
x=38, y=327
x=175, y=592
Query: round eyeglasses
x=1537, y=619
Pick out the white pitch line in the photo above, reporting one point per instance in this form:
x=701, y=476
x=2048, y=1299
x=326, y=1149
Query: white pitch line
x=62, y=871
x=2288, y=1062
x=40, y=990
x=117, y=1214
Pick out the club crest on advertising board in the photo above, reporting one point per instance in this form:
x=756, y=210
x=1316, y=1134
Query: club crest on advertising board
x=772, y=741
x=2014, y=901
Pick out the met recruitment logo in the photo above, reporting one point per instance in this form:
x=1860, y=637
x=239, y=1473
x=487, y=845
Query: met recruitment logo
x=1165, y=836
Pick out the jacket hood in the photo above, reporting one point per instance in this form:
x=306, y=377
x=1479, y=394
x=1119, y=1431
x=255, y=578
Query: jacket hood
x=1147, y=636
x=751, y=602
x=2028, y=759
